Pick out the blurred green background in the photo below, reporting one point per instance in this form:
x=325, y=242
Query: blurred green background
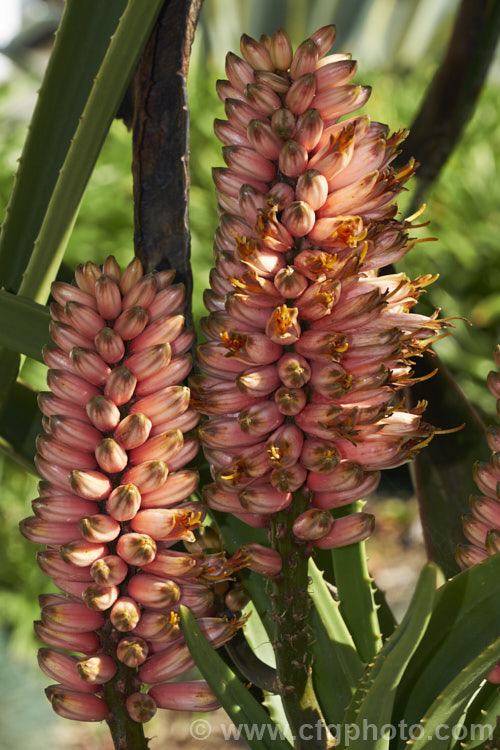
x=398, y=44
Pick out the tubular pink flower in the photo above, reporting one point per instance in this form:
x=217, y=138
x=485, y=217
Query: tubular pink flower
x=300, y=320
x=114, y=494
x=482, y=525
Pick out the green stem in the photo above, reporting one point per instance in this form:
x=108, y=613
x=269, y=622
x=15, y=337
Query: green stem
x=354, y=585
x=293, y=634
x=126, y=733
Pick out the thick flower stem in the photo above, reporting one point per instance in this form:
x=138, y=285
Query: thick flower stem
x=354, y=585
x=293, y=634
x=126, y=733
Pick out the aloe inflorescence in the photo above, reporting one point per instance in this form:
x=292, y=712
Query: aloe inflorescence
x=114, y=498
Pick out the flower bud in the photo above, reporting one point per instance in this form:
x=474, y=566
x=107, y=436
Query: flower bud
x=110, y=456
x=124, y=502
x=184, y=696
x=108, y=297
x=313, y=524
x=154, y=592
x=110, y=570
x=347, y=530
x=293, y=159
x=100, y=597
x=141, y=707
x=136, y=549
x=71, y=704
x=96, y=670
x=110, y=345
x=120, y=385
x=103, y=413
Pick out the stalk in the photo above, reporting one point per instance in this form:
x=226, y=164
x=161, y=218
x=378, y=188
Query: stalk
x=293, y=634
x=354, y=585
x=126, y=734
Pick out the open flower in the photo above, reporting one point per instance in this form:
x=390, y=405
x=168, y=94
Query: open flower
x=307, y=344
x=115, y=496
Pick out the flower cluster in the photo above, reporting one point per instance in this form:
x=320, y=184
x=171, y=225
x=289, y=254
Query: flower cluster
x=307, y=344
x=114, y=497
x=482, y=525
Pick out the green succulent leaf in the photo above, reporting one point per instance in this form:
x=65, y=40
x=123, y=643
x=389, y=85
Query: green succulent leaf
x=25, y=325
x=80, y=45
x=356, y=592
x=464, y=627
x=442, y=717
x=20, y=423
x=373, y=701
x=337, y=667
x=241, y=707
x=482, y=715
x=107, y=92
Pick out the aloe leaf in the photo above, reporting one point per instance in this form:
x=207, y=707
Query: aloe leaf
x=107, y=92
x=442, y=716
x=443, y=471
x=79, y=47
x=20, y=423
x=373, y=701
x=481, y=717
x=241, y=707
x=25, y=325
x=464, y=623
x=337, y=667
x=356, y=593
